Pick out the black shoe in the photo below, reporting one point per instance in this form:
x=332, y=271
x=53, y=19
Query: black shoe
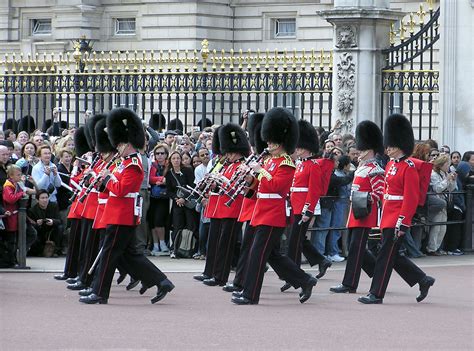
x=61, y=277
x=285, y=287
x=238, y=293
x=323, y=267
x=201, y=277
x=72, y=280
x=133, y=283
x=77, y=286
x=307, y=290
x=425, y=285
x=93, y=299
x=121, y=278
x=212, y=282
x=341, y=289
x=231, y=287
x=267, y=267
x=370, y=299
x=243, y=301
x=143, y=289
x=85, y=292
x=163, y=289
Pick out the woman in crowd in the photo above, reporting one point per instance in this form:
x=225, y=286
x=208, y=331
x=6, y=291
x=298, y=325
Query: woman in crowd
x=64, y=194
x=455, y=158
x=179, y=175
x=195, y=161
x=22, y=137
x=186, y=157
x=158, y=213
x=45, y=173
x=441, y=183
x=28, y=158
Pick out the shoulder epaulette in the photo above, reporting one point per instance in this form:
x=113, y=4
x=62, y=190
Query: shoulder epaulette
x=287, y=161
x=377, y=170
x=410, y=162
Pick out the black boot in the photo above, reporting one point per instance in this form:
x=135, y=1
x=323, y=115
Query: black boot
x=163, y=289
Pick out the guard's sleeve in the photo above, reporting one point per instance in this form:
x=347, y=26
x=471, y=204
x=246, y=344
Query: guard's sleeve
x=314, y=190
x=131, y=176
x=411, y=193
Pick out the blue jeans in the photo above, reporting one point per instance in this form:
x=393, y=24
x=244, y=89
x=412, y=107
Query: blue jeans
x=318, y=238
x=337, y=220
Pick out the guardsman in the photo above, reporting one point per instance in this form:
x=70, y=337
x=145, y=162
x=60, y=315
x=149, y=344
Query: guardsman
x=308, y=186
x=270, y=216
x=400, y=201
x=122, y=212
x=367, y=192
x=234, y=144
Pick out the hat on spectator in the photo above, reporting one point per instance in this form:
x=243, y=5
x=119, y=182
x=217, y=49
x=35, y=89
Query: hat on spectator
x=207, y=123
x=27, y=124
x=102, y=138
x=124, y=126
x=170, y=132
x=254, y=127
x=157, y=121
x=80, y=142
x=280, y=126
x=90, y=129
x=398, y=132
x=175, y=124
x=308, y=139
x=216, y=144
x=10, y=123
x=369, y=137
x=233, y=139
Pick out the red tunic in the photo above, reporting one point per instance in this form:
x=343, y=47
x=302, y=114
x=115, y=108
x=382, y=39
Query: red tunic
x=368, y=177
x=401, y=195
x=233, y=211
x=275, y=182
x=210, y=210
x=91, y=201
x=124, y=186
x=99, y=219
x=424, y=172
x=72, y=210
x=307, y=186
x=12, y=193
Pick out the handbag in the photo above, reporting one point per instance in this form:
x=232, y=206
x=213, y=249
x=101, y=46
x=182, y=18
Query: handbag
x=49, y=247
x=183, y=193
x=361, y=204
x=158, y=191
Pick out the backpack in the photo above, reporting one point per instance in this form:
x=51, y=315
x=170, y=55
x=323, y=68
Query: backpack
x=184, y=243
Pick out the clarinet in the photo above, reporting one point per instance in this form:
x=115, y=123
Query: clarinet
x=97, y=179
x=239, y=184
x=237, y=174
x=84, y=179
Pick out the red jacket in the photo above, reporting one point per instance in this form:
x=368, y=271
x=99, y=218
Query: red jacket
x=368, y=177
x=12, y=193
x=307, y=186
x=223, y=211
x=99, y=219
x=124, y=186
x=210, y=210
x=91, y=201
x=72, y=210
x=401, y=195
x=275, y=182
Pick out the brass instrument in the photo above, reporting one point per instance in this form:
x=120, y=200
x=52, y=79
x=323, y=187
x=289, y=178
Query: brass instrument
x=98, y=178
x=239, y=184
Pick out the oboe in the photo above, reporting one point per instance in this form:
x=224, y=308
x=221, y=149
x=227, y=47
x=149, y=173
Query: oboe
x=84, y=179
x=98, y=178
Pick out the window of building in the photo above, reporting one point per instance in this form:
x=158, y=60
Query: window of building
x=125, y=26
x=41, y=26
x=284, y=27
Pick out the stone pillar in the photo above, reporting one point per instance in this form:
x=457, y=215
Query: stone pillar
x=456, y=73
x=361, y=31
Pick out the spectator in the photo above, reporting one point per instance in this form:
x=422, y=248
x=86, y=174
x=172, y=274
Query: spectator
x=16, y=151
x=64, y=194
x=199, y=173
x=441, y=182
x=455, y=158
x=445, y=150
x=432, y=143
x=195, y=161
x=353, y=154
x=45, y=173
x=22, y=137
x=170, y=136
x=38, y=140
x=4, y=162
x=10, y=135
x=28, y=158
x=337, y=139
x=142, y=232
x=328, y=145
x=186, y=159
x=178, y=175
x=421, y=151
x=158, y=213
x=434, y=153
x=44, y=216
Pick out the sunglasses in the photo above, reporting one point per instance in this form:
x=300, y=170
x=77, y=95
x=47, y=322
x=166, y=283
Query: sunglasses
x=434, y=155
x=202, y=155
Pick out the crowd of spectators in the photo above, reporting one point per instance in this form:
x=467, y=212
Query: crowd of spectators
x=35, y=164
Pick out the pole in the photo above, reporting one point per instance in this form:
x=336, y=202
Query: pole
x=21, y=252
x=468, y=233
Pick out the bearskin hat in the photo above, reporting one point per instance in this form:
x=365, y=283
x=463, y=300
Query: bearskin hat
x=90, y=129
x=10, y=123
x=207, y=123
x=157, y=121
x=48, y=123
x=254, y=127
x=233, y=139
x=27, y=124
x=80, y=142
x=308, y=139
x=398, y=132
x=124, y=126
x=369, y=137
x=175, y=124
x=102, y=142
x=216, y=144
x=280, y=126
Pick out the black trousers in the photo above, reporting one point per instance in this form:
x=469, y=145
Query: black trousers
x=91, y=250
x=266, y=247
x=359, y=257
x=389, y=258
x=225, y=248
x=454, y=232
x=242, y=264
x=120, y=242
x=72, y=258
x=183, y=218
x=86, y=227
x=212, y=242
x=298, y=242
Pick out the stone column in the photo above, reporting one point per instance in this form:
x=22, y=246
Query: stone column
x=361, y=31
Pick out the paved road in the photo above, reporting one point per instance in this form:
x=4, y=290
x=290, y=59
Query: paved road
x=37, y=312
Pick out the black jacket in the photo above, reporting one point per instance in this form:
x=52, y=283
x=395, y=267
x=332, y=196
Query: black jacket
x=334, y=185
x=186, y=177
